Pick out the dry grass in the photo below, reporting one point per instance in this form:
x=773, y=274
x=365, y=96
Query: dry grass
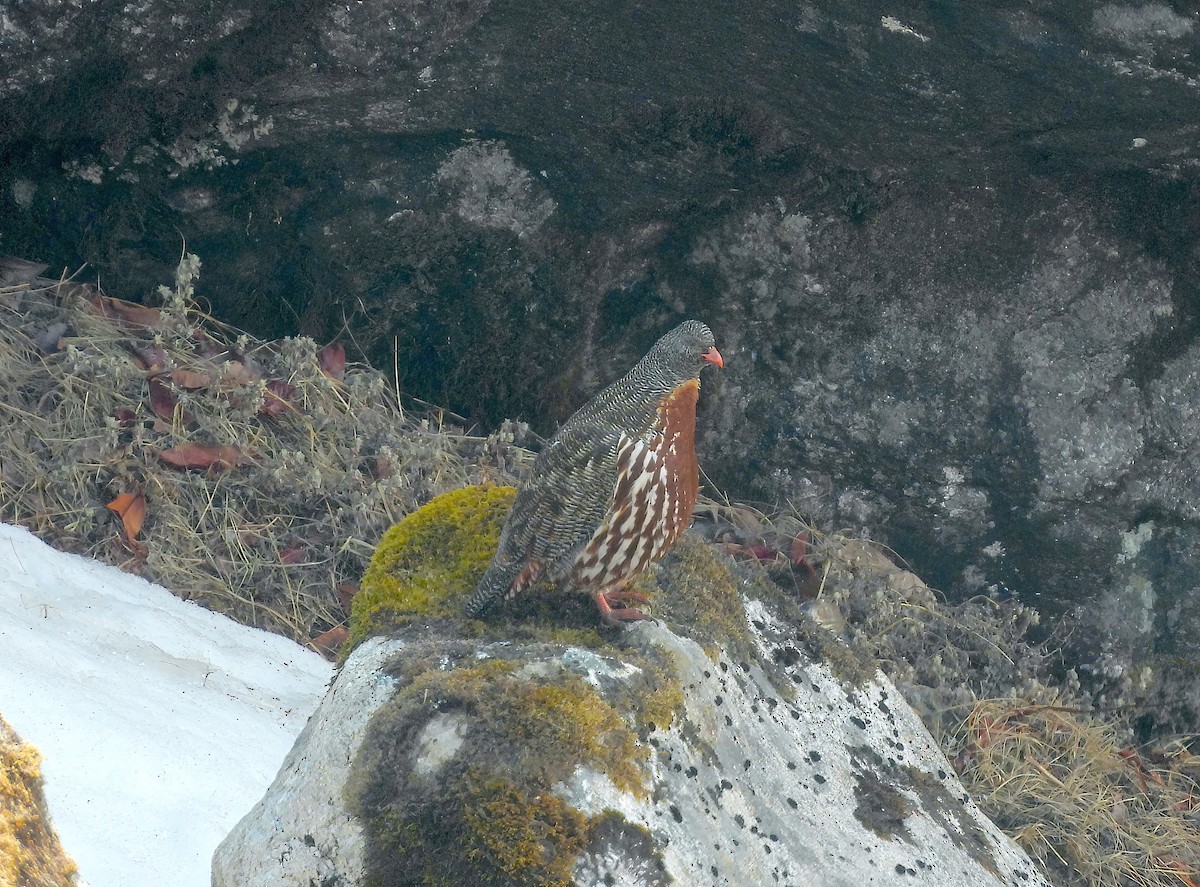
x=1096, y=812
x=318, y=459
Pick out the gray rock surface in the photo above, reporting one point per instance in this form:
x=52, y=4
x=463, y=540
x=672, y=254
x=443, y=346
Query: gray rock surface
x=949, y=251
x=300, y=830
x=787, y=777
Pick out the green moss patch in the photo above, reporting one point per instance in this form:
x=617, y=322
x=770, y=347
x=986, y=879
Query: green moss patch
x=486, y=814
x=704, y=598
x=427, y=565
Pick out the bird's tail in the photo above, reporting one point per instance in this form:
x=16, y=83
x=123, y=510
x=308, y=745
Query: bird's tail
x=500, y=582
x=494, y=586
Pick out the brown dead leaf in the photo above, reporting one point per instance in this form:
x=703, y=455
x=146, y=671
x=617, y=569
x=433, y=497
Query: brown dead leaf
x=148, y=356
x=327, y=642
x=800, y=550
x=235, y=374
x=162, y=399
x=188, y=378
x=332, y=360
x=128, y=313
x=279, y=398
x=199, y=456
x=294, y=555
x=131, y=507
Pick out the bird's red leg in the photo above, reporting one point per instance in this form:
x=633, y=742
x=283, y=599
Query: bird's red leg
x=623, y=597
x=610, y=615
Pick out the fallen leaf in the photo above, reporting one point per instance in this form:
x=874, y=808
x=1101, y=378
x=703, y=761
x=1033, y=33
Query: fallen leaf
x=14, y=271
x=279, y=398
x=293, y=555
x=148, y=356
x=327, y=642
x=332, y=360
x=129, y=313
x=199, y=456
x=186, y=378
x=801, y=548
x=131, y=507
x=235, y=374
x=162, y=399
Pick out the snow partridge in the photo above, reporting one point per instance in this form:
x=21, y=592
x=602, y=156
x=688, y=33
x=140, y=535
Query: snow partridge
x=614, y=488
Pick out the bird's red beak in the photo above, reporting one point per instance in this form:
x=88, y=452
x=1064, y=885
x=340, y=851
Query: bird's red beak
x=713, y=356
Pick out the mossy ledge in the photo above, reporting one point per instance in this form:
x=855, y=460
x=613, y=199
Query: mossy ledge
x=426, y=565
x=454, y=781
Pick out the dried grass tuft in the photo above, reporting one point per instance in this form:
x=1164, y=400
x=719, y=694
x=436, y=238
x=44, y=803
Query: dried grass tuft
x=268, y=470
x=1058, y=780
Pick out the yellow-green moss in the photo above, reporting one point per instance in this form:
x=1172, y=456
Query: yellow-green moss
x=705, y=599
x=428, y=564
x=489, y=815
x=659, y=707
x=29, y=850
x=529, y=840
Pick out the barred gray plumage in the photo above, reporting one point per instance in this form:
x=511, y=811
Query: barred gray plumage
x=614, y=488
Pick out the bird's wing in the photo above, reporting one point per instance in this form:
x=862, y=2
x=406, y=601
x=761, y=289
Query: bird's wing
x=566, y=498
x=571, y=486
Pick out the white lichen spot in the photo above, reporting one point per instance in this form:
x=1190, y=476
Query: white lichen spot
x=1137, y=27
x=1138, y=143
x=196, y=152
x=426, y=75
x=896, y=26
x=492, y=190
x=995, y=550
x=87, y=170
x=594, y=668
x=953, y=475
x=1134, y=541
x=239, y=125
x=438, y=742
x=22, y=192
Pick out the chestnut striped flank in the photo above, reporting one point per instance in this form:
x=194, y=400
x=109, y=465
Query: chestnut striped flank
x=657, y=484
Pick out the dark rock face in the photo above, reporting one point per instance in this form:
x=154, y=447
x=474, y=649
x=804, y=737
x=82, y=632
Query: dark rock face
x=950, y=250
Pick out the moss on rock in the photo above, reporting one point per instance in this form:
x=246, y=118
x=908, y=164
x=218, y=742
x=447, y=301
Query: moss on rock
x=486, y=814
x=705, y=599
x=426, y=565
x=29, y=849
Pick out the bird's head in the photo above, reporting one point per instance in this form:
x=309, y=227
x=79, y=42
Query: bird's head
x=686, y=350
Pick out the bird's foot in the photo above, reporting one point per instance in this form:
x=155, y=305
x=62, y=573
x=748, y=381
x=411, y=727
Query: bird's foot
x=622, y=597
x=622, y=612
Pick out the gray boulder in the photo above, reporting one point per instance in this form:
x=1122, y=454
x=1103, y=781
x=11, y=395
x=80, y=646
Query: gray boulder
x=440, y=760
